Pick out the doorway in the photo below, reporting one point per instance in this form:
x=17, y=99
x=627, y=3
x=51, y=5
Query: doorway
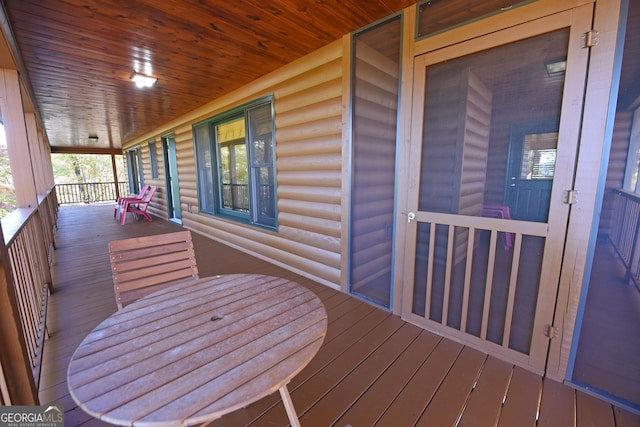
x=484, y=275
x=531, y=167
x=174, y=211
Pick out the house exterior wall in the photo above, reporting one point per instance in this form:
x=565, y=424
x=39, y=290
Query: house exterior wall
x=312, y=141
x=308, y=127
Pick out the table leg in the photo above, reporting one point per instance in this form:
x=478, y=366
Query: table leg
x=288, y=405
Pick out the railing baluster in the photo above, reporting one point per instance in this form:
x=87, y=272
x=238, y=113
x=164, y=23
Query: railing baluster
x=91, y=192
x=28, y=240
x=623, y=234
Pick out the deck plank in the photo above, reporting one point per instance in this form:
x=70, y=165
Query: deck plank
x=558, y=405
x=369, y=408
x=448, y=404
x=485, y=401
x=626, y=418
x=591, y=411
x=523, y=399
x=416, y=396
x=328, y=409
x=372, y=369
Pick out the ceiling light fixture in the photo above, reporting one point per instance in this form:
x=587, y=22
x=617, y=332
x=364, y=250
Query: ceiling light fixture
x=556, y=67
x=142, y=80
x=93, y=138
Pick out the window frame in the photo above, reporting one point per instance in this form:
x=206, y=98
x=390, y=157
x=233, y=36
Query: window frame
x=153, y=158
x=206, y=152
x=135, y=173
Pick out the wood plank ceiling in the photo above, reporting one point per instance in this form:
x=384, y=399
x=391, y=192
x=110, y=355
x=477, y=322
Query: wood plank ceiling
x=79, y=55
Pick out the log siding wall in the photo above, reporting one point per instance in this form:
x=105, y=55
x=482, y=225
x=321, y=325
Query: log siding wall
x=312, y=158
x=308, y=129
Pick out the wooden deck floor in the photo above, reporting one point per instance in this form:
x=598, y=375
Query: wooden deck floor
x=373, y=368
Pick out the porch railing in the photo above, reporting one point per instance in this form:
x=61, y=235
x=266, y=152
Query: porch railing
x=91, y=192
x=236, y=197
x=623, y=234
x=25, y=271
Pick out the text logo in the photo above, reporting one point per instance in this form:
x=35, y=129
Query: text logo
x=31, y=416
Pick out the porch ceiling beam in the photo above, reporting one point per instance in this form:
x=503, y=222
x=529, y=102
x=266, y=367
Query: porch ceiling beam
x=85, y=150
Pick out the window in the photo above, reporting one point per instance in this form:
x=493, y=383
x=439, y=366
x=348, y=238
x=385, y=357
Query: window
x=134, y=170
x=153, y=159
x=235, y=157
x=436, y=16
x=539, y=156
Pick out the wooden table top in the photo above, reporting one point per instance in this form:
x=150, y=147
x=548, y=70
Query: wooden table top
x=196, y=351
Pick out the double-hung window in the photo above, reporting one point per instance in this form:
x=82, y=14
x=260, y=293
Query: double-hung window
x=235, y=157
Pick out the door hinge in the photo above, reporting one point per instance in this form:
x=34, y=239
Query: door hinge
x=571, y=197
x=590, y=39
x=551, y=331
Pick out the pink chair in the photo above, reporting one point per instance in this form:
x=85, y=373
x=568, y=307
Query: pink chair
x=137, y=206
x=502, y=212
x=121, y=200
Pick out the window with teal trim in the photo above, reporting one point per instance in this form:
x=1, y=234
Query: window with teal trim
x=235, y=157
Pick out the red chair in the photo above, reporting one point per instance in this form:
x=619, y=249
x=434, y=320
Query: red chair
x=137, y=207
x=121, y=200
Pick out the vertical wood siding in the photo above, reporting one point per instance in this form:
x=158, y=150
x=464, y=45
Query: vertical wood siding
x=308, y=128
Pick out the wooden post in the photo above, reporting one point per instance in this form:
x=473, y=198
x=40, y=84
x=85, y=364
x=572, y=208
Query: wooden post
x=17, y=139
x=37, y=164
x=22, y=140
x=46, y=156
x=115, y=175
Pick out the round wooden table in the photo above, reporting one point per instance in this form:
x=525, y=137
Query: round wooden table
x=196, y=351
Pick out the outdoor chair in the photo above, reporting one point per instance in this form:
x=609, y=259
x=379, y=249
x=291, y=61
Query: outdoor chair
x=502, y=212
x=143, y=265
x=137, y=207
x=121, y=200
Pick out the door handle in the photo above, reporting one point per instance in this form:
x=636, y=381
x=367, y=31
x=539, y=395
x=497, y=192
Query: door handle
x=410, y=216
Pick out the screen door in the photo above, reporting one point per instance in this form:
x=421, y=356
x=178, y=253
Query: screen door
x=484, y=266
